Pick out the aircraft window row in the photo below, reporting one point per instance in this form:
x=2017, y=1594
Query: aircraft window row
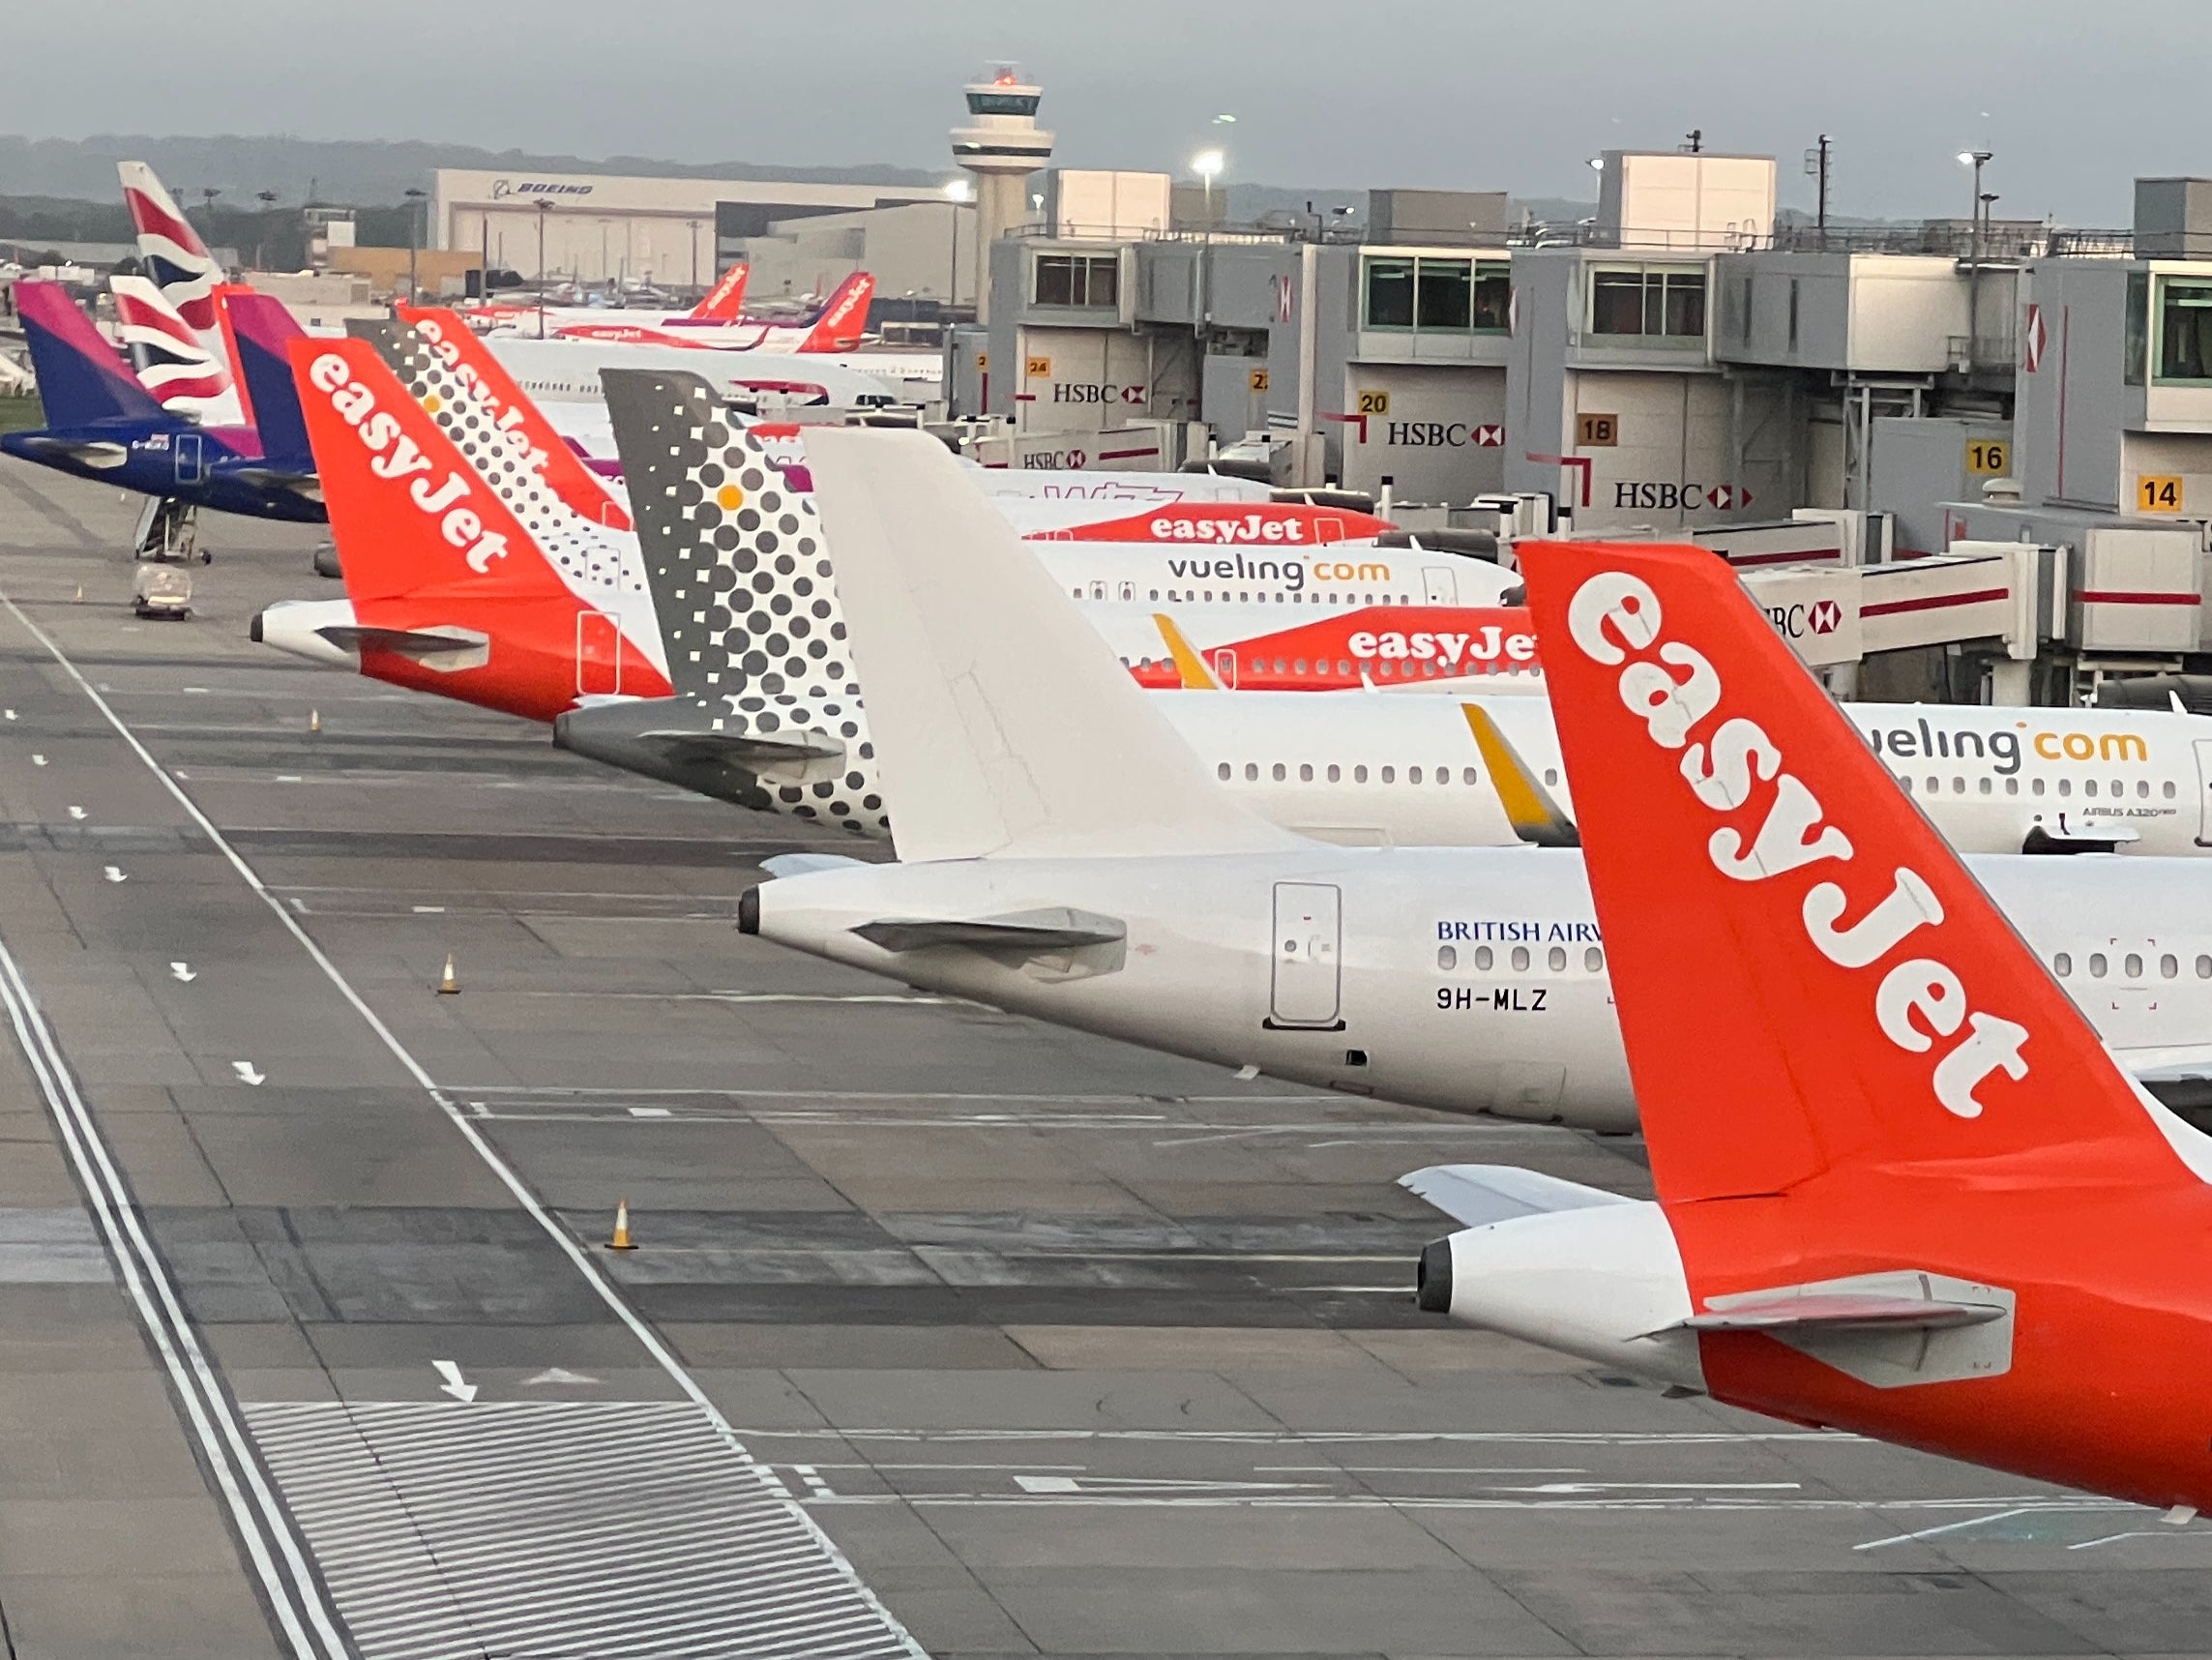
x=1520, y=959
x=1241, y=597
x=1334, y=774
x=2131, y=965
x=2119, y=788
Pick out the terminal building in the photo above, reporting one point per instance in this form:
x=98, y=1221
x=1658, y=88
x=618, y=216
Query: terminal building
x=2016, y=417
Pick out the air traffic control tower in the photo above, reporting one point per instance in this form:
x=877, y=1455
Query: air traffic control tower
x=1001, y=145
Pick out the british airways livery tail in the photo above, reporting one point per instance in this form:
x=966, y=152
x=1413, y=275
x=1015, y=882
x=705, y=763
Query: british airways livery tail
x=169, y=249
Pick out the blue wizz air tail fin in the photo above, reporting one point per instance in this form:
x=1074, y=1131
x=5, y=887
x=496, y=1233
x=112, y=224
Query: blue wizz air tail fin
x=81, y=379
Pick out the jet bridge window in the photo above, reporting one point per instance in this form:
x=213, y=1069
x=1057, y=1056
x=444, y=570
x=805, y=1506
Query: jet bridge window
x=1649, y=300
x=2184, y=331
x=1435, y=294
x=1081, y=282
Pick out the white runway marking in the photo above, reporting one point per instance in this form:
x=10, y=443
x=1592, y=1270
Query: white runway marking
x=621, y=1531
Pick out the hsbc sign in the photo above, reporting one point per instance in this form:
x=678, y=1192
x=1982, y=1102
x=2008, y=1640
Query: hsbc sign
x=1680, y=497
x=1817, y=611
x=1096, y=392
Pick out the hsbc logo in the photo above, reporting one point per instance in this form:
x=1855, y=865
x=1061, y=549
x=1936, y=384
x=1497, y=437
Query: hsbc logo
x=1443, y=435
x=1096, y=391
x=1798, y=621
x=1680, y=497
x=1057, y=460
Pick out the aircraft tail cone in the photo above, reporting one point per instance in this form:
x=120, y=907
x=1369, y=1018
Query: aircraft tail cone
x=621, y=1241
x=448, y=985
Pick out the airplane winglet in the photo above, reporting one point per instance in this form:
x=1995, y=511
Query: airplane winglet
x=1535, y=816
x=1189, y=665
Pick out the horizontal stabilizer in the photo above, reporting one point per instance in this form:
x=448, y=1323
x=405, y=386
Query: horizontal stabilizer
x=807, y=864
x=85, y=452
x=1024, y=935
x=418, y=643
x=1842, y=1312
x=1476, y=1196
x=792, y=746
x=308, y=484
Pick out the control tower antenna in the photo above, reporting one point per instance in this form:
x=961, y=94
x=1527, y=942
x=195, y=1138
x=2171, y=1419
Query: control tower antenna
x=1001, y=145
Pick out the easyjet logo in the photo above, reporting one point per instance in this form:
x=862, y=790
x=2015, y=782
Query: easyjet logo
x=395, y=457
x=1484, y=644
x=1920, y=1001
x=1252, y=527
x=507, y=422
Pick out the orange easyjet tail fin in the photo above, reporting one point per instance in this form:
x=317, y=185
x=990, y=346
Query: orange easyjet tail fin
x=725, y=301
x=408, y=517
x=844, y=317
x=431, y=337
x=1809, y=982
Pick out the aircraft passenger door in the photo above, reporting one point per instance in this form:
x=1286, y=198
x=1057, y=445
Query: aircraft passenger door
x=184, y=447
x=599, y=655
x=1308, y=932
x=1439, y=588
x=2204, y=792
x=1224, y=667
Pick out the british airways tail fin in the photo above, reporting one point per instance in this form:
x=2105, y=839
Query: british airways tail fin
x=172, y=361
x=261, y=330
x=843, y=318
x=437, y=354
x=1003, y=724
x=168, y=248
x=81, y=380
x=1810, y=984
x=725, y=301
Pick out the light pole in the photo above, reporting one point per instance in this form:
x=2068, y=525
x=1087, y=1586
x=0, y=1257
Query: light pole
x=695, y=223
x=955, y=192
x=545, y=207
x=268, y=200
x=1976, y=160
x=1208, y=165
x=415, y=200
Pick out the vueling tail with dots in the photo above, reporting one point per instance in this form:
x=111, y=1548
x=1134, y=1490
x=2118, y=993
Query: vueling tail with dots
x=465, y=575
x=1903, y=1188
x=767, y=710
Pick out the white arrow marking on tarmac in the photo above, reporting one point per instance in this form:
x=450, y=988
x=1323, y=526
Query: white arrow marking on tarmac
x=559, y=1374
x=77, y=813
x=453, y=1384
x=114, y=873
x=183, y=971
x=248, y=1071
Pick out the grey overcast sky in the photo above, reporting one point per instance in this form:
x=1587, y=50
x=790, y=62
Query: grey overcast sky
x=2074, y=99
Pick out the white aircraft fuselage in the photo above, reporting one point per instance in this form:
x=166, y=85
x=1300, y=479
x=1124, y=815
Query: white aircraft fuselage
x=1468, y=980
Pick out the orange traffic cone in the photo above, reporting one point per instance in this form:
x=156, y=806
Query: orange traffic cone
x=621, y=1240
x=448, y=985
